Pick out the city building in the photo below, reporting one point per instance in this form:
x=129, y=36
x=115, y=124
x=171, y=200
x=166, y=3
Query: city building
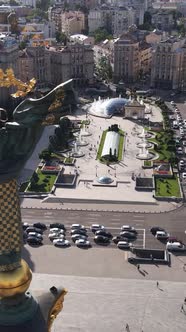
x=104, y=49
x=163, y=19
x=9, y=53
x=169, y=64
x=82, y=39
x=72, y=22
x=75, y=61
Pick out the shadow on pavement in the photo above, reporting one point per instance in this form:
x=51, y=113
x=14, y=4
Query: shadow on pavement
x=27, y=257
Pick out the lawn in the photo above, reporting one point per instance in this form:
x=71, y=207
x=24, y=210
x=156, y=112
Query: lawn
x=101, y=145
x=44, y=184
x=165, y=146
x=121, y=142
x=167, y=187
x=148, y=163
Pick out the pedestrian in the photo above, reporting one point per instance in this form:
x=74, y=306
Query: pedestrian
x=127, y=327
x=184, y=267
x=157, y=284
x=138, y=267
x=182, y=308
x=185, y=300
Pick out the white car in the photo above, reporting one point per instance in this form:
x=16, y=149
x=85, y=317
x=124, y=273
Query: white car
x=161, y=235
x=128, y=228
x=184, y=143
x=57, y=230
x=181, y=162
x=184, y=175
x=123, y=245
x=97, y=227
x=61, y=242
x=173, y=103
x=82, y=243
x=175, y=246
x=77, y=226
x=39, y=236
x=56, y=236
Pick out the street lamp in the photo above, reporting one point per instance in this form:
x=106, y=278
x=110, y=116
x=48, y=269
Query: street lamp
x=96, y=170
x=115, y=171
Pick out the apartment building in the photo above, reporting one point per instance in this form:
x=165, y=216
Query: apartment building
x=169, y=64
x=126, y=59
x=9, y=53
x=72, y=22
x=32, y=63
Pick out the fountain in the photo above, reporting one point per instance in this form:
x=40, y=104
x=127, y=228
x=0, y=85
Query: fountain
x=80, y=141
x=84, y=132
x=76, y=151
x=145, y=144
x=145, y=154
x=144, y=134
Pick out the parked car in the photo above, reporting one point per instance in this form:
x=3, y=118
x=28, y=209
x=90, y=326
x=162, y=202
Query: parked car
x=175, y=246
x=53, y=236
x=118, y=238
x=155, y=229
x=184, y=143
x=181, y=162
x=57, y=225
x=184, y=175
x=124, y=245
x=79, y=231
x=173, y=103
x=57, y=230
x=172, y=239
x=61, y=243
x=77, y=226
x=101, y=239
x=129, y=235
x=162, y=235
x=40, y=225
x=96, y=227
x=38, y=235
x=128, y=228
x=34, y=229
x=82, y=243
x=104, y=233
x=25, y=225
x=79, y=236
x=34, y=240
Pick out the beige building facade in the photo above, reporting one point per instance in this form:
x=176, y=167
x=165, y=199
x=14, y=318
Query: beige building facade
x=169, y=65
x=72, y=22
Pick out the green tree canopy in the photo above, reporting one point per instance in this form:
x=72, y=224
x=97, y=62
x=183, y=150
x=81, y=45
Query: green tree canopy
x=104, y=69
x=101, y=34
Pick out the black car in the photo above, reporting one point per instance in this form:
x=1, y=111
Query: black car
x=40, y=225
x=34, y=240
x=156, y=229
x=33, y=229
x=57, y=225
x=128, y=235
x=101, y=239
x=104, y=233
x=79, y=231
x=25, y=225
x=118, y=238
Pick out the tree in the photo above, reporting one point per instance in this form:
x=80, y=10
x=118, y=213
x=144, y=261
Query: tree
x=61, y=37
x=101, y=34
x=45, y=154
x=104, y=69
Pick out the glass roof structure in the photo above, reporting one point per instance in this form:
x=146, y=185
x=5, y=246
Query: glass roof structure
x=107, y=107
x=105, y=180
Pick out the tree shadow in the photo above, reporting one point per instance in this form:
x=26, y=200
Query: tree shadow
x=27, y=257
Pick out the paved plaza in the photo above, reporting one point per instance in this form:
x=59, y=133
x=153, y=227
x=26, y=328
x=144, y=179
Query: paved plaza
x=106, y=304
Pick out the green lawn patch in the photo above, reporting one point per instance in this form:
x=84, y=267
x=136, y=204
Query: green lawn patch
x=44, y=184
x=121, y=142
x=167, y=187
x=165, y=146
x=148, y=163
x=101, y=144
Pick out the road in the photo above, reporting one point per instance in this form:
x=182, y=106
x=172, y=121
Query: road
x=173, y=222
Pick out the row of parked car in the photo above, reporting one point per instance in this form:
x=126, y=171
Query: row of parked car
x=57, y=234
x=172, y=243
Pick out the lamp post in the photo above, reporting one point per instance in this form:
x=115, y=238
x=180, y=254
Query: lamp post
x=115, y=171
x=96, y=170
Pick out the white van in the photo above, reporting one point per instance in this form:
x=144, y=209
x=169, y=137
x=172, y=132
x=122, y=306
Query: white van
x=175, y=246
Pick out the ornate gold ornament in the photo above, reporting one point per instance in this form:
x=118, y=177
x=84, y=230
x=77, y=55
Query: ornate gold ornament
x=59, y=97
x=56, y=308
x=8, y=79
